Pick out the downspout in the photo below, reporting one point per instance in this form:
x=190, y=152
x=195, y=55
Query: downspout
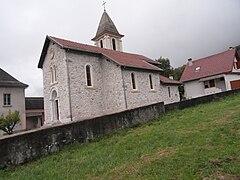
x=69, y=89
x=124, y=90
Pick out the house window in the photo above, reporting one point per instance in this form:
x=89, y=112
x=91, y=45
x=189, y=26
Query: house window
x=169, y=91
x=212, y=83
x=101, y=44
x=88, y=75
x=114, y=44
x=209, y=84
x=206, y=84
x=133, y=81
x=6, y=99
x=150, y=80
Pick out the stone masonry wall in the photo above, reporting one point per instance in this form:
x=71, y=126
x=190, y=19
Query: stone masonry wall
x=174, y=93
x=30, y=145
x=86, y=102
x=143, y=95
x=113, y=92
x=59, y=60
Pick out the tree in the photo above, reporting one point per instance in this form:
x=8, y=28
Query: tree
x=165, y=66
x=177, y=72
x=8, y=122
x=168, y=70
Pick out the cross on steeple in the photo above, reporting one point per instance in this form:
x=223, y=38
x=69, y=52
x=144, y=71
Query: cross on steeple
x=104, y=6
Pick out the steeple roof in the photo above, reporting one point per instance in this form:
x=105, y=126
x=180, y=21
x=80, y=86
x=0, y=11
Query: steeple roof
x=106, y=25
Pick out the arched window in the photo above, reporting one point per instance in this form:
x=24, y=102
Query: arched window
x=88, y=75
x=169, y=91
x=101, y=44
x=114, y=44
x=133, y=81
x=150, y=80
x=55, y=73
x=52, y=74
x=53, y=70
x=55, y=106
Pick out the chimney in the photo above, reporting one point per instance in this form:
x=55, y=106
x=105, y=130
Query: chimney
x=190, y=62
x=171, y=77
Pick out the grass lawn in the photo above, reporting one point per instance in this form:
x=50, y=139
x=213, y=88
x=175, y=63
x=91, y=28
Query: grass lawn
x=194, y=143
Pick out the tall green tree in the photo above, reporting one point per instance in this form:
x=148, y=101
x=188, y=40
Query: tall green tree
x=165, y=66
x=177, y=72
x=168, y=70
x=8, y=122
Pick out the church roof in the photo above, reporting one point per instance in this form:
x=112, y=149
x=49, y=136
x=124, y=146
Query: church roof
x=6, y=80
x=166, y=80
x=121, y=58
x=106, y=25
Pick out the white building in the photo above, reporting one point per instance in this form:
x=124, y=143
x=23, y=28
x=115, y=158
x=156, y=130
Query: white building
x=82, y=81
x=12, y=98
x=213, y=74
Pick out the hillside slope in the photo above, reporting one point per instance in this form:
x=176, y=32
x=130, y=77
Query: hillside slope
x=195, y=143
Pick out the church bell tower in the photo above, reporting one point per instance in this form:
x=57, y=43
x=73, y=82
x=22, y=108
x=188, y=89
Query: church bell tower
x=107, y=35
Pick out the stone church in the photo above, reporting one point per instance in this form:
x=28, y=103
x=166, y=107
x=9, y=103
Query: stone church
x=82, y=81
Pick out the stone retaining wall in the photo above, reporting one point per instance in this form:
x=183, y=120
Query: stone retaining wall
x=23, y=147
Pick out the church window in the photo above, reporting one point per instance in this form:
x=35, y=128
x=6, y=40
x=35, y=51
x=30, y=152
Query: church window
x=169, y=91
x=114, y=44
x=55, y=73
x=53, y=70
x=101, y=44
x=52, y=76
x=88, y=75
x=150, y=80
x=55, y=105
x=133, y=81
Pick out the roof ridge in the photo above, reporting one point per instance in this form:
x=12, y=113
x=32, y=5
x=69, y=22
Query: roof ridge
x=98, y=47
x=218, y=54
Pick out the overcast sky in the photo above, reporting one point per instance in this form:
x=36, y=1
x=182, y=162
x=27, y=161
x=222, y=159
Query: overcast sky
x=177, y=29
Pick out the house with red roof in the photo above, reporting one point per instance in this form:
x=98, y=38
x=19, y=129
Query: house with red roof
x=212, y=74
x=82, y=81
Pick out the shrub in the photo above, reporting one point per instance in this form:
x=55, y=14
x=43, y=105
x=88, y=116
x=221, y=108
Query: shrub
x=8, y=122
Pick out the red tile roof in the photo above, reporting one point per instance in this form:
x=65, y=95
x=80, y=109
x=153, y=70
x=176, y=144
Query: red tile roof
x=121, y=58
x=209, y=66
x=166, y=80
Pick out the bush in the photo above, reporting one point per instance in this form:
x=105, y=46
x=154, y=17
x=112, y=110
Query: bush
x=8, y=122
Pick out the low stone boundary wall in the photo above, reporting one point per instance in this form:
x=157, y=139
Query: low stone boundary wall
x=199, y=100
x=23, y=147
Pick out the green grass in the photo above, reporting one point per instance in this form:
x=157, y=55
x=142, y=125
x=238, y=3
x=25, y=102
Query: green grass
x=195, y=143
